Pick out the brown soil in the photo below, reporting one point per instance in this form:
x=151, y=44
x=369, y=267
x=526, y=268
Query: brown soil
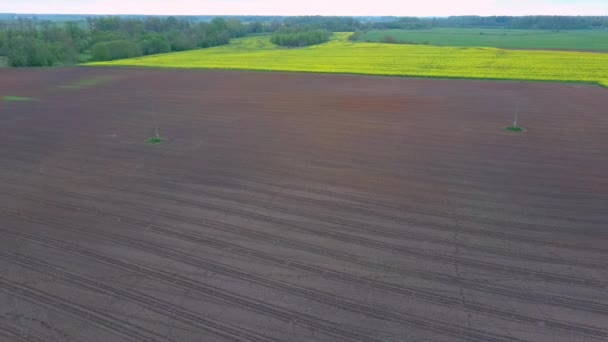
x=295, y=207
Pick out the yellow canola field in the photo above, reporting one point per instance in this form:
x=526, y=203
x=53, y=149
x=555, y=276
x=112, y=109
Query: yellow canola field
x=342, y=56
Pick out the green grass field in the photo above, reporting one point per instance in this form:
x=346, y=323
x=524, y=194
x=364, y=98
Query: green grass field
x=342, y=56
x=506, y=39
x=3, y=62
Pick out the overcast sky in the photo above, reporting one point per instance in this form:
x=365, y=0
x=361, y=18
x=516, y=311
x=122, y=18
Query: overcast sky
x=310, y=7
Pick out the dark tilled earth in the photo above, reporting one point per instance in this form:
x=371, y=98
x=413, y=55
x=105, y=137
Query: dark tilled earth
x=291, y=207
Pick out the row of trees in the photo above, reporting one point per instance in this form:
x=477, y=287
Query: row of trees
x=300, y=38
x=349, y=24
x=333, y=24
x=408, y=23
x=526, y=22
x=114, y=38
x=29, y=43
x=558, y=23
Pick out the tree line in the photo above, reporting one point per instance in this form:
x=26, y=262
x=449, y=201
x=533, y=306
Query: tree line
x=30, y=43
x=300, y=37
x=538, y=22
x=350, y=24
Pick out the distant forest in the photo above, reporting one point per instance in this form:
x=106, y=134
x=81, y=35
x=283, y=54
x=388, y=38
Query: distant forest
x=503, y=22
x=47, y=40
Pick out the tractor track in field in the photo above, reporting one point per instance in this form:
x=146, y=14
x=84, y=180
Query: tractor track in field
x=159, y=306
x=324, y=272
x=468, y=192
x=18, y=155
x=365, y=205
x=376, y=230
x=264, y=308
x=367, y=227
x=205, y=291
x=365, y=242
x=88, y=314
x=124, y=151
x=325, y=298
x=573, y=303
x=18, y=334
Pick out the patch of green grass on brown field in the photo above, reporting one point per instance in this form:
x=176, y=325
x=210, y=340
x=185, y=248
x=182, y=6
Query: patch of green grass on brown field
x=16, y=98
x=88, y=82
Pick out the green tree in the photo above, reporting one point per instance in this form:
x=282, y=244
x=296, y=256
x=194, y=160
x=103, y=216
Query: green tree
x=155, y=43
x=181, y=41
x=26, y=52
x=79, y=37
x=235, y=28
x=153, y=24
x=171, y=23
x=116, y=49
x=3, y=44
x=101, y=52
x=219, y=24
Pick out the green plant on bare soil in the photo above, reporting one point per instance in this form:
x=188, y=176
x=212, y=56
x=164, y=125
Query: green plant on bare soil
x=514, y=128
x=16, y=98
x=154, y=141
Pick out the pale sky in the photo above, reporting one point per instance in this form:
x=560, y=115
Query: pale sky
x=310, y=7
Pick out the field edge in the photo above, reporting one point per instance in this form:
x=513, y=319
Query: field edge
x=602, y=84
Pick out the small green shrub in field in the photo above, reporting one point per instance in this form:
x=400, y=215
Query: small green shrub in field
x=514, y=129
x=154, y=141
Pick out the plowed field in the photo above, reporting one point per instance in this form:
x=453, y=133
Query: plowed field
x=290, y=207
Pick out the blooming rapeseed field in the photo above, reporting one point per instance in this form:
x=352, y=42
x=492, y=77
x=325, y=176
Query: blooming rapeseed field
x=342, y=56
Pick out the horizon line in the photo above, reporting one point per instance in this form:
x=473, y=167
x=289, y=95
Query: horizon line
x=312, y=15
